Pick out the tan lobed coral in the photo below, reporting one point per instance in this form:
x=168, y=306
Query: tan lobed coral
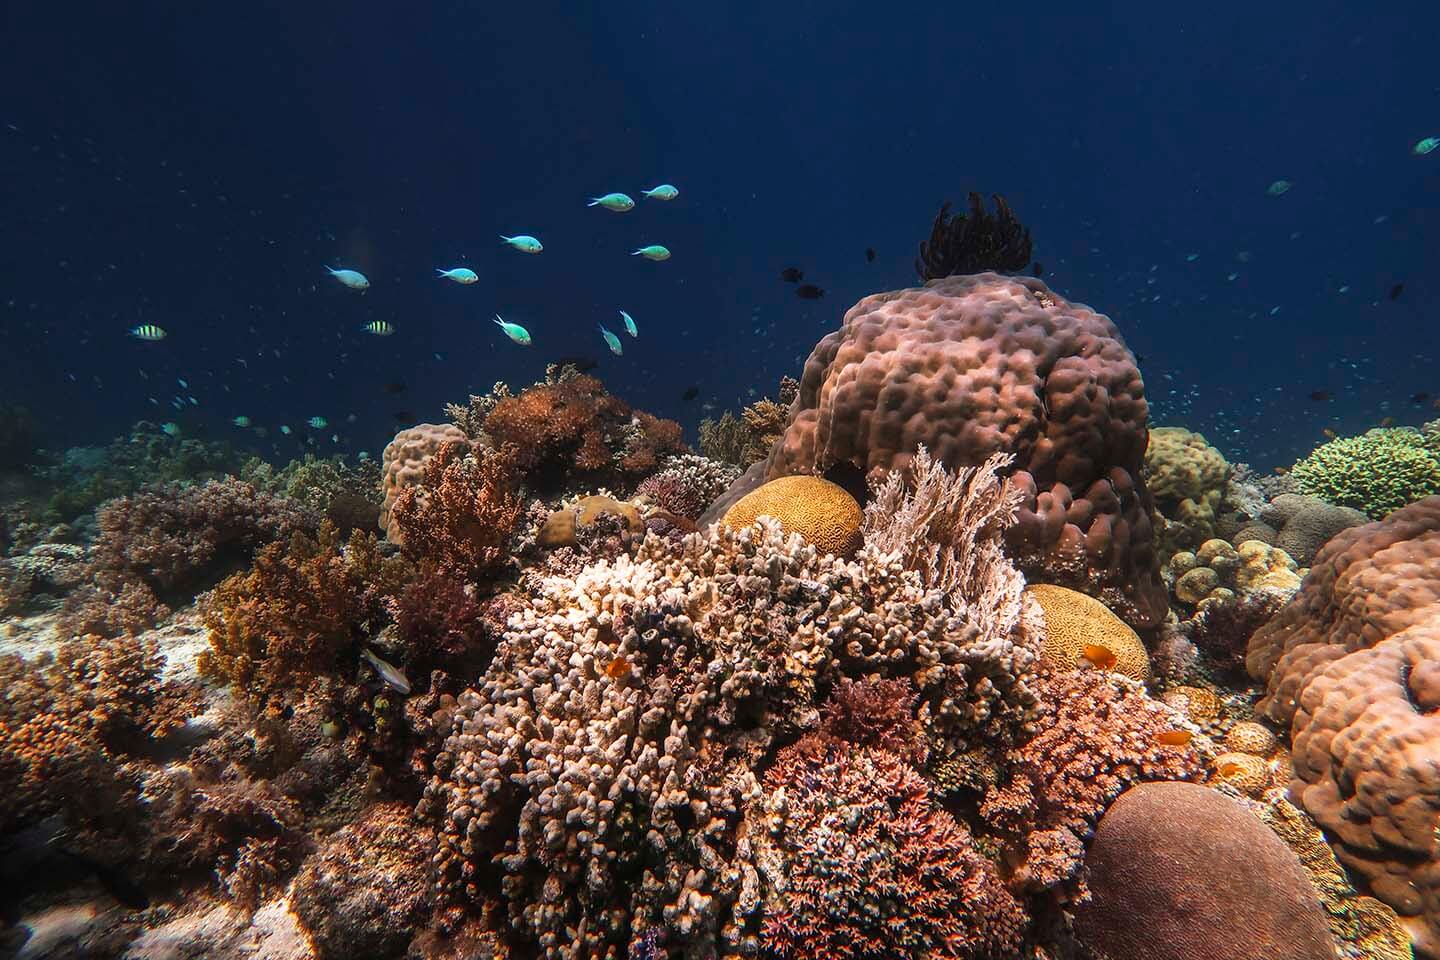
x=973, y=365
x=1076, y=624
x=1178, y=871
x=403, y=463
x=821, y=512
x=560, y=527
x=1219, y=571
x=1186, y=476
x=606, y=760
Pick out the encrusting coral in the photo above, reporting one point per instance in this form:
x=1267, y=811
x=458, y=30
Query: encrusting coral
x=974, y=365
x=822, y=513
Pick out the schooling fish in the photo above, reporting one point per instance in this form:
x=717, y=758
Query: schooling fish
x=808, y=291
x=629, y=324
x=1396, y=290
x=353, y=279
x=523, y=243
x=393, y=676
x=458, y=274
x=148, y=331
x=611, y=341
x=792, y=275
x=241, y=421
x=652, y=252
x=668, y=192
x=869, y=254
x=381, y=328
x=1425, y=146
x=319, y=423
x=513, y=330
x=617, y=202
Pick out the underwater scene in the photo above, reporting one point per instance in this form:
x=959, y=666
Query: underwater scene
x=756, y=481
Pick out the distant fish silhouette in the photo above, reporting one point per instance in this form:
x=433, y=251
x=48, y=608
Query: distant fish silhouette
x=1420, y=399
x=1039, y=269
x=690, y=394
x=1396, y=290
x=792, y=275
x=869, y=254
x=808, y=291
x=1322, y=396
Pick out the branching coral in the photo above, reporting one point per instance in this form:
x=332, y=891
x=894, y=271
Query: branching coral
x=748, y=438
x=686, y=484
x=403, y=463
x=302, y=606
x=348, y=496
x=969, y=244
x=441, y=623
x=1377, y=472
x=867, y=867
x=461, y=513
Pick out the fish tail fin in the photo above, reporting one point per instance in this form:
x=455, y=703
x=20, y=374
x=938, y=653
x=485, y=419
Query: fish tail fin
x=441, y=273
x=505, y=238
x=593, y=203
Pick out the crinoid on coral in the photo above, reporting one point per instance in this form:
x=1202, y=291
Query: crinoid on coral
x=863, y=865
x=970, y=366
x=171, y=538
x=569, y=433
x=605, y=762
x=879, y=714
x=299, y=612
x=460, y=514
x=969, y=244
x=1099, y=735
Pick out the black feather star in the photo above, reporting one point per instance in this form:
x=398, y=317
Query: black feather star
x=962, y=243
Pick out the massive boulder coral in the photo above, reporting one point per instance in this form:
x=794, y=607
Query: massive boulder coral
x=607, y=760
x=1187, y=477
x=972, y=365
x=1350, y=664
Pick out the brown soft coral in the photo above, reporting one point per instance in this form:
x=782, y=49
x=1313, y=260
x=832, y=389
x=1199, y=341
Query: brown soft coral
x=969, y=366
x=1100, y=734
x=403, y=463
x=867, y=867
x=460, y=514
x=293, y=615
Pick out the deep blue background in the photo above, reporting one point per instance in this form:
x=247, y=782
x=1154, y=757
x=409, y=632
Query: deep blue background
x=194, y=166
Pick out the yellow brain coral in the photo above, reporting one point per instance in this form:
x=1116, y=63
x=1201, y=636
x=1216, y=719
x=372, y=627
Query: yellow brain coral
x=1080, y=629
x=822, y=513
x=1252, y=738
x=1197, y=703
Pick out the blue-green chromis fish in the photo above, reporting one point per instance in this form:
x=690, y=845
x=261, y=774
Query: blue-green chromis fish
x=611, y=341
x=523, y=243
x=353, y=279
x=458, y=274
x=618, y=202
x=1426, y=145
x=285, y=429
x=665, y=191
x=1278, y=187
x=171, y=429
x=513, y=330
x=629, y=324
x=380, y=328
x=241, y=421
x=652, y=252
x=148, y=331
x=319, y=423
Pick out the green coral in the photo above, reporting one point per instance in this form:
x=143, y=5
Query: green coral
x=1377, y=472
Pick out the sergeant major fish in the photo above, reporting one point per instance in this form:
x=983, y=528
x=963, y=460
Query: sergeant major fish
x=148, y=331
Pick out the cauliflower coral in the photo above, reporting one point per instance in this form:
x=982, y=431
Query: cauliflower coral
x=1377, y=472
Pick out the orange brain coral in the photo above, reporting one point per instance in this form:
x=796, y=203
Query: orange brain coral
x=1075, y=622
x=971, y=365
x=821, y=512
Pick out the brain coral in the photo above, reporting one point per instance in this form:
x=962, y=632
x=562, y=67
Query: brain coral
x=820, y=511
x=972, y=365
x=1351, y=663
x=1379, y=471
x=1074, y=622
x=403, y=464
x=1178, y=871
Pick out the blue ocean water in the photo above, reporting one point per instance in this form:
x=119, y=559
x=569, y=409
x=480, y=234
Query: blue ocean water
x=197, y=166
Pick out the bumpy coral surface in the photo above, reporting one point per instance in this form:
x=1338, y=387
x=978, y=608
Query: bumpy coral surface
x=1179, y=872
x=403, y=464
x=604, y=764
x=1377, y=472
x=969, y=366
x=1075, y=624
x=1187, y=477
x=821, y=512
x=869, y=868
x=1303, y=524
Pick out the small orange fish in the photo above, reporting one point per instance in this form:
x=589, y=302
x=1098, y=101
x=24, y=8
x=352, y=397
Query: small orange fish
x=1102, y=657
x=1330, y=433
x=1228, y=769
x=617, y=668
x=1175, y=738
x=1282, y=470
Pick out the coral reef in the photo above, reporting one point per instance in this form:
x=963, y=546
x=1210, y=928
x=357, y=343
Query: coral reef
x=969, y=244
x=1298, y=524
x=442, y=623
x=686, y=484
x=1222, y=627
x=1219, y=571
x=822, y=513
x=563, y=527
x=1178, y=871
x=1377, y=472
x=403, y=463
x=1099, y=735
x=460, y=513
x=1187, y=477
x=1075, y=625
x=971, y=366
x=747, y=439
x=348, y=496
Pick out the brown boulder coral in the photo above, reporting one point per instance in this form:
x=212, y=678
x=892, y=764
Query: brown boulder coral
x=972, y=365
x=1178, y=871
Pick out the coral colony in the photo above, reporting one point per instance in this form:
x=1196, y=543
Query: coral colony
x=943, y=651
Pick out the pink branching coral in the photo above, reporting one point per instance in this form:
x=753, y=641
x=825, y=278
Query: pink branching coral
x=1100, y=734
x=878, y=714
x=872, y=869
x=460, y=515
x=687, y=484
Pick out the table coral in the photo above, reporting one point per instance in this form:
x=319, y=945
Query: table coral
x=459, y=514
x=1178, y=871
x=1075, y=623
x=1379, y=471
x=821, y=512
x=969, y=366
